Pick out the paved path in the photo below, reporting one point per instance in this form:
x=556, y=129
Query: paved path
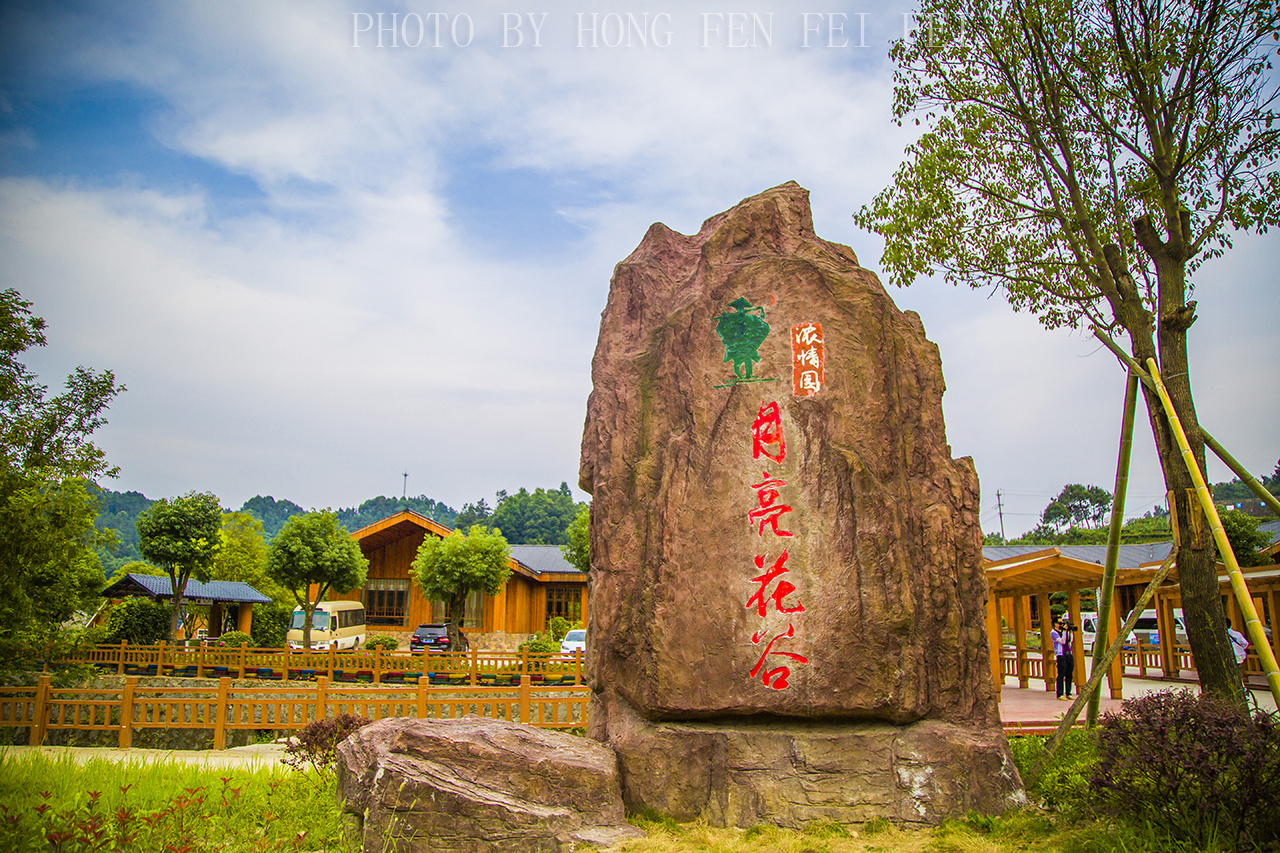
x=260, y=754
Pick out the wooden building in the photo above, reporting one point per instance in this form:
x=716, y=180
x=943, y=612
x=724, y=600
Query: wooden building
x=542, y=585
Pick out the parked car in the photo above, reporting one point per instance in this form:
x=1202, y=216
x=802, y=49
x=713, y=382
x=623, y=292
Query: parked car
x=574, y=641
x=431, y=637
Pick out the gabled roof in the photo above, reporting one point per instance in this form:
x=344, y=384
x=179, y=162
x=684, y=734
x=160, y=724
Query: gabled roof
x=545, y=560
x=152, y=586
x=1050, y=569
x=1131, y=556
x=395, y=526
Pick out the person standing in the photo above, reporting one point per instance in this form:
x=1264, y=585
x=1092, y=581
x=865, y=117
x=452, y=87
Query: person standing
x=1239, y=645
x=1061, y=637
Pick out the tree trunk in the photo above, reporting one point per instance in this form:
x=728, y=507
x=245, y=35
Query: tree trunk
x=179, y=586
x=458, y=613
x=1197, y=556
x=308, y=613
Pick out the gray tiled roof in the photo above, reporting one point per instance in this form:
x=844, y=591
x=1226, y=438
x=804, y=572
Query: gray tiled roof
x=543, y=559
x=153, y=586
x=1131, y=556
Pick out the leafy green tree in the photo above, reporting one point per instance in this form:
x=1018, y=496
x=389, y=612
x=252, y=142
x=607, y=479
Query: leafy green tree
x=182, y=536
x=472, y=514
x=1084, y=156
x=313, y=549
x=376, y=509
x=577, y=551
x=1076, y=504
x=48, y=561
x=1245, y=538
x=540, y=517
x=139, y=622
x=452, y=568
x=243, y=557
x=271, y=512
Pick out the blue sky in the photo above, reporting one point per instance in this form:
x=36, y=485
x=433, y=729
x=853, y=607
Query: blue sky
x=317, y=263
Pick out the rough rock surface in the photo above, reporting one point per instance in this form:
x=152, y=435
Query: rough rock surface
x=775, y=544
x=478, y=785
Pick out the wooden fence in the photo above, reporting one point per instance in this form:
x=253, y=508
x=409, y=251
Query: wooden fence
x=1142, y=659
x=376, y=666
x=285, y=708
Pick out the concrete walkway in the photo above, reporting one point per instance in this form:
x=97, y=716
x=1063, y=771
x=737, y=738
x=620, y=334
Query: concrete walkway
x=1035, y=708
x=258, y=754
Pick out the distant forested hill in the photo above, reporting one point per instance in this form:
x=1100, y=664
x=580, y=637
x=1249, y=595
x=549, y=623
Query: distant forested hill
x=119, y=511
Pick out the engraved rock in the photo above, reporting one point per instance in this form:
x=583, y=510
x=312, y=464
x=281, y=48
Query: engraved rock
x=779, y=534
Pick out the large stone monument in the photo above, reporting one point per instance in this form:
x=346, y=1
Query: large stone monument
x=787, y=611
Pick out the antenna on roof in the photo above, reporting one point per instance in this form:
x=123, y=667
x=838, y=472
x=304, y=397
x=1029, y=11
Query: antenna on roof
x=405, y=493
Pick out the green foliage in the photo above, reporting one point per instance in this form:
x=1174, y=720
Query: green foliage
x=1077, y=504
x=235, y=639
x=543, y=644
x=59, y=805
x=449, y=569
x=315, y=745
x=243, y=557
x=138, y=621
x=558, y=627
x=181, y=536
x=270, y=625
x=1064, y=781
x=577, y=551
x=271, y=512
x=1193, y=767
x=540, y=517
x=382, y=641
x=1150, y=528
x=49, y=567
x=473, y=514
x=376, y=509
x=313, y=548
x=1245, y=538
x=118, y=517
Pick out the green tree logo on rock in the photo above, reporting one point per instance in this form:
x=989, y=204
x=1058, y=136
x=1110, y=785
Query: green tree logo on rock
x=742, y=331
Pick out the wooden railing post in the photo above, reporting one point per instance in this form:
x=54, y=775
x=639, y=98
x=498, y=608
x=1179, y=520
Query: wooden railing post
x=475, y=664
x=525, y=683
x=120, y=660
x=160, y=658
x=377, y=665
x=220, y=724
x=126, y=712
x=331, y=654
x=322, y=698
x=524, y=661
x=40, y=711
x=577, y=666
x=244, y=654
x=423, y=687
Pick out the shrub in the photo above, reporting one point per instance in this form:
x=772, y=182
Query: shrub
x=316, y=744
x=138, y=621
x=269, y=625
x=541, y=644
x=558, y=627
x=382, y=641
x=235, y=639
x=1195, y=768
x=1064, y=780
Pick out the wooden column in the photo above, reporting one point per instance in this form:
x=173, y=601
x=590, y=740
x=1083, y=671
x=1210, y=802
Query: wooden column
x=220, y=724
x=993, y=643
x=244, y=618
x=1115, y=672
x=1050, y=662
x=215, y=620
x=1077, y=643
x=1020, y=639
x=126, y=712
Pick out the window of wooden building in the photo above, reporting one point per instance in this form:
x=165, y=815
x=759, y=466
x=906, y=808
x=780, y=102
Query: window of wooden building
x=385, y=601
x=564, y=601
x=441, y=611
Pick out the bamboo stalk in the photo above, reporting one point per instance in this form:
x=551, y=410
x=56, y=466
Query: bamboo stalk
x=1245, y=477
x=1069, y=718
x=1113, y=538
x=1252, y=624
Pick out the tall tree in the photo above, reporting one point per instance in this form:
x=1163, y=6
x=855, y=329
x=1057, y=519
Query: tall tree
x=313, y=549
x=540, y=517
x=1086, y=506
x=1084, y=156
x=182, y=536
x=577, y=551
x=48, y=564
x=452, y=568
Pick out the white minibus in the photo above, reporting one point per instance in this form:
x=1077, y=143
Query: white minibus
x=339, y=624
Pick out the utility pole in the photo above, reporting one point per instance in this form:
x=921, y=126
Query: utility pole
x=405, y=493
x=1000, y=509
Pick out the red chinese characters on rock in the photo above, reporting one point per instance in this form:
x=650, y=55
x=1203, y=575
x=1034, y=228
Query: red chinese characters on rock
x=808, y=359
x=772, y=587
